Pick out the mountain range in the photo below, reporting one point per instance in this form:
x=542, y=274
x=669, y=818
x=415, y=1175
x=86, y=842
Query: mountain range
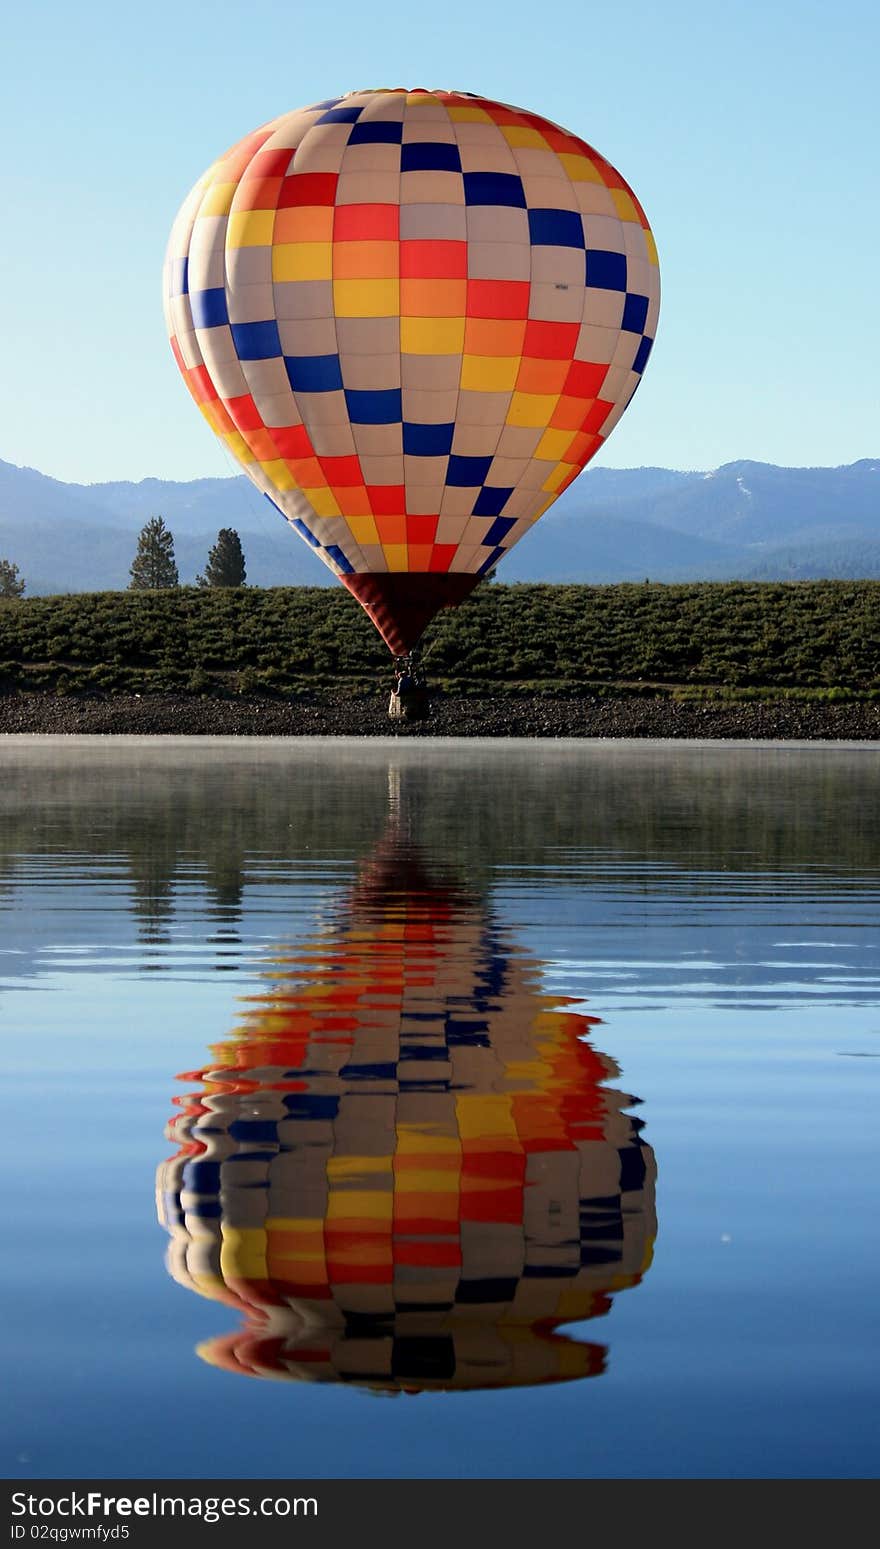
x=743, y=521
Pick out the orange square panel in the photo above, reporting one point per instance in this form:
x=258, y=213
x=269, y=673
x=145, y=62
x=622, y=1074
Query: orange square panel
x=391, y=529
x=541, y=376
x=570, y=413
x=489, y=336
x=433, y=298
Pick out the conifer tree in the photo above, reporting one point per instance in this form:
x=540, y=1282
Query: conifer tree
x=153, y=566
x=225, y=565
x=11, y=584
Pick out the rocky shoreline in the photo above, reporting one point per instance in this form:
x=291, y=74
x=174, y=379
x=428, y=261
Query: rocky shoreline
x=340, y=715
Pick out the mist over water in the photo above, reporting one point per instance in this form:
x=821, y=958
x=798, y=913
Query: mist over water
x=530, y=1087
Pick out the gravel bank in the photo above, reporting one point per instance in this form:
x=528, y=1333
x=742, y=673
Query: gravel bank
x=340, y=716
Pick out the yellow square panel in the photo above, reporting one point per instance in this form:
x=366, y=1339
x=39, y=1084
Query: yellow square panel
x=363, y=529
x=396, y=556
x=531, y=409
x=362, y=1204
x=422, y=96
x=553, y=444
x=422, y=1141
x=366, y=298
x=431, y=335
x=303, y=1226
x=209, y=410
x=480, y=1118
x=322, y=501
x=489, y=373
x=343, y=1168
x=469, y=115
x=624, y=205
x=239, y=447
x=579, y=168
x=250, y=228
x=558, y=476
x=652, y=247
x=244, y=1239
x=302, y=261
x=519, y=134
x=218, y=199
x=280, y=474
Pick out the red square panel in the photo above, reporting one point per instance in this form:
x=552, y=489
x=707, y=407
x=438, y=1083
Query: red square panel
x=387, y=499
x=421, y=529
x=584, y=379
x=292, y=440
x=200, y=385
x=244, y=413
x=498, y=298
x=366, y=223
x=551, y=341
x=442, y=555
x=430, y=260
x=597, y=415
x=308, y=188
x=232, y=166
x=345, y=471
x=258, y=193
x=269, y=164
x=566, y=144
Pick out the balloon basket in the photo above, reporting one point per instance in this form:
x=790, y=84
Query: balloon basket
x=410, y=698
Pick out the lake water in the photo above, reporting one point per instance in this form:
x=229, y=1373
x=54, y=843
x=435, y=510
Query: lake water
x=435, y=1109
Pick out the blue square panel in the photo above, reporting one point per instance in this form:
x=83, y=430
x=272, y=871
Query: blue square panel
x=256, y=341
x=303, y=531
x=179, y=276
x=376, y=131
x=556, y=228
x=491, y=502
x=642, y=354
x=635, y=313
x=313, y=373
x=429, y=156
x=339, y=558
x=605, y=271
x=499, y=530
x=427, y=440
x=209, y=308
x=492, y=560
x=494, y=188
x=374, y=406
x=340, y=116
x=466, y=471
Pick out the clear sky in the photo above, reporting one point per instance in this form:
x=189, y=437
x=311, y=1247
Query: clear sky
x=749, y=131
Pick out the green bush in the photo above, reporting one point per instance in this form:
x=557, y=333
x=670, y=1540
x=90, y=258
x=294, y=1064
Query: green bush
x=814, y=638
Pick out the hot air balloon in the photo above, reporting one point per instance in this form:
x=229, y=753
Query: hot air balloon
x=406, y=1169
x=413, y=317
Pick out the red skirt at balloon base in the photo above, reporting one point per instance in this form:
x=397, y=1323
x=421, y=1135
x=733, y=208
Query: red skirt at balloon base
x=402, y=604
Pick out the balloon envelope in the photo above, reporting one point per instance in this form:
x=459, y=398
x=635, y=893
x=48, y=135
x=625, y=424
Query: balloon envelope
x=413, y=317
x=407, y=1167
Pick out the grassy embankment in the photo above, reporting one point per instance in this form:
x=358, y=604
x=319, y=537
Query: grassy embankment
x=814, y=639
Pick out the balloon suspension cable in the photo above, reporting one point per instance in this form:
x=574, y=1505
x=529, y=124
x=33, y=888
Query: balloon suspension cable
x=410, y=666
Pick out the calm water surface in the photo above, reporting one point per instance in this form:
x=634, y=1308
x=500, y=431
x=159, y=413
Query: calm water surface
x=439, y=1109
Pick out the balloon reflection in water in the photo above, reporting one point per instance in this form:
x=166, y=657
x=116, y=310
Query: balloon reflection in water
x=405, y=1167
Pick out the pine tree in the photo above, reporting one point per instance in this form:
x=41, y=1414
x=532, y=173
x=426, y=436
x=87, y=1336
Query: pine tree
x=225, y=565
x=10, y=583
x=153, y=566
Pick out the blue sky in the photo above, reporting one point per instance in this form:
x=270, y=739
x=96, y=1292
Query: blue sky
x=750, y=133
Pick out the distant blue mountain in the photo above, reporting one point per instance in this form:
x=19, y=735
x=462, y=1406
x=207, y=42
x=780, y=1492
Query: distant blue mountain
x=744, y=520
